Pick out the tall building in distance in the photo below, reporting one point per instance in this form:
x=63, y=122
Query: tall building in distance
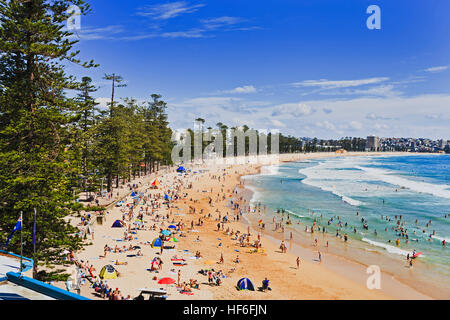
x=373, y=143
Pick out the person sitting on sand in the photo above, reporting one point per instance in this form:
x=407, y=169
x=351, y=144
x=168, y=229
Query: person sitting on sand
x=237, y=259
x=265, y=285
x=186, y=288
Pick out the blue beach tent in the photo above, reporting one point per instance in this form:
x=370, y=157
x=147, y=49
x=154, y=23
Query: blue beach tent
x=133, y=194
x=157, y=243
x=117, y=224
x=166, y=197
x=181, y=169
x=245, y=284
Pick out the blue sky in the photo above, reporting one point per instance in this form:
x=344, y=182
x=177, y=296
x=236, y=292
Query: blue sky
x=306, y=67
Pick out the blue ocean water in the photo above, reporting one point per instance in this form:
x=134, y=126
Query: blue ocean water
x=378, y=189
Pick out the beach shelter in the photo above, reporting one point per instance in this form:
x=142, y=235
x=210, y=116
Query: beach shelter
x=117, y=224
x=172, y=227
x=133, y=194
x=156, y=183
x=181, y=169
x=173, y=239
x=245, y=284
x=166, y=281
x=157, y=243
x=166, y=197
x=108, y=272
x=166, y=232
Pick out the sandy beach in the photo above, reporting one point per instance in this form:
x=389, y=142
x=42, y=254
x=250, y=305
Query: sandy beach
x=332, y=278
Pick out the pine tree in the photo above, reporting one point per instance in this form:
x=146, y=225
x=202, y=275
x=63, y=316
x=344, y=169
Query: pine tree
x=157, y=145
x=87, y=117
x=35, y=115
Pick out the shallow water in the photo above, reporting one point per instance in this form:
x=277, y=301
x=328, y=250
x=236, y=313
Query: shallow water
x=347, y=189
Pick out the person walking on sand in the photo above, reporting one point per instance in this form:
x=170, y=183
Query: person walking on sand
x=221, y=258
x=298, y=262
x=320, y=257
x=179, y=276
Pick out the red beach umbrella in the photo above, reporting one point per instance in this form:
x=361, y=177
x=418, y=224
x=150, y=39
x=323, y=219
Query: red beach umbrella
x=166, y=281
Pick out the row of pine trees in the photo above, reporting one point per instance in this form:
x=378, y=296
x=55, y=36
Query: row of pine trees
x=55, y=141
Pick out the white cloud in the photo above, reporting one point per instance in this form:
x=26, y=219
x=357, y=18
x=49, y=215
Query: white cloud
x=91, y=33
x=382, y=91
x=381, y=126
x=414, y=116
x=326, y=124
x=243, y=89
x=278, y=123
x=329, y=84
x=215, y=23
x=292, y=109
x=168, y=10
x=437, y=69
x=193, y=33
x=373, y=116
x=103, y=102
x=356, y=125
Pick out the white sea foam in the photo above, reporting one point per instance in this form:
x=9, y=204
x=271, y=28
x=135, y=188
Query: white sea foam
x=270, y=170
x=387, y=247
x=351, y=201
x=295, y=214
x=255, y=193
x=439, y=190
x=324, y=185
x=447, y=239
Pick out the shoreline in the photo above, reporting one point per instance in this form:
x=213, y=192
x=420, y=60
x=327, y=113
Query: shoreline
x=395, y=283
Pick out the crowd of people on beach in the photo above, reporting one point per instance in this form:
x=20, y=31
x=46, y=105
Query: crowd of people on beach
x=153, y=209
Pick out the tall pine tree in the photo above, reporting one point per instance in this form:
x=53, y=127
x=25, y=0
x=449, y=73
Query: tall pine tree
x=36, y=170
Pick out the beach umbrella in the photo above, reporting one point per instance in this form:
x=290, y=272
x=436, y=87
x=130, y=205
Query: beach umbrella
x=166, y=281
x=166, y=232
x=173, y=239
